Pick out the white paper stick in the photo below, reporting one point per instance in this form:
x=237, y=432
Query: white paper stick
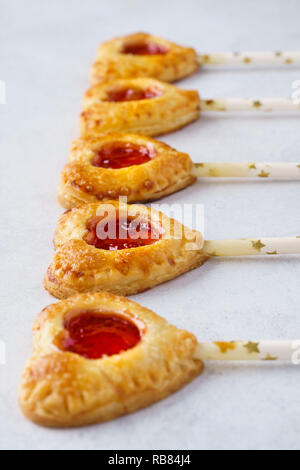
x=284, y=170
x=288, y=350
x=264, y=105
x=250, y=58
x=252, y=246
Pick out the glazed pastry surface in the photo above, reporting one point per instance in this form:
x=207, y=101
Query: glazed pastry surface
x=113, y=60
x=82, y=182
x=63, y=389
x=169, y=109
x=80, y=267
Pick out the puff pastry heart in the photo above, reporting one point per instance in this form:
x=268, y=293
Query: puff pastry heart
x=97, y=170
x=84, y=263
x=143, y=55
x=141, y=105
x=60, y=388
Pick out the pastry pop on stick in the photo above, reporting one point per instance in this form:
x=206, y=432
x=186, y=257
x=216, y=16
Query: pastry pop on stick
x=144, y=169
x=99, y=356
x=151, y=107
x=145, y=55
x=127, y=249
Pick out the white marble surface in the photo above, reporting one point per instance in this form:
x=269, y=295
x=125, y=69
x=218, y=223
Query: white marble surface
x=46, y=51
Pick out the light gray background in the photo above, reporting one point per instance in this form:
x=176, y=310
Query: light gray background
x=46, y=51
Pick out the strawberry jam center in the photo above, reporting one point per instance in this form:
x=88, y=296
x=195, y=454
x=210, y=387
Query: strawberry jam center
x=95, y=335
x=118, y=155
x=144, y=48
x=122, y=235
x=132, y=94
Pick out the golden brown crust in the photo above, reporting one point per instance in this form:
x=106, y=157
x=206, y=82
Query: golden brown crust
x=79, y=267
x=173, y=109
x=111, y=63
x=81, y=182
x=62, y=389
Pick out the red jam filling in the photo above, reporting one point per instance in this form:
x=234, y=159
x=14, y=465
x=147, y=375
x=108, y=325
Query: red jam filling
x=93, y=336
x=132, y=94
x=128, y=233
x=144, y=48
x=118, y=155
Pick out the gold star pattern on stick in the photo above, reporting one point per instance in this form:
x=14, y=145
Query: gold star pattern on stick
x=225, y=346
x=252, y=347
x=270, y=358
x=257, y=104
x=258, y=245
x=264, y=174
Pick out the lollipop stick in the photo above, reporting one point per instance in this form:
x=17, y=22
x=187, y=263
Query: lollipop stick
x=252, y=246
x=247, y=170
x=265, y=105
x=250, y=58
x=249, y=351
